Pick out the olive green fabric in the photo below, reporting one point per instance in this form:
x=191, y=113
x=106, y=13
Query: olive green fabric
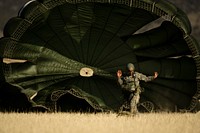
x=58, y=38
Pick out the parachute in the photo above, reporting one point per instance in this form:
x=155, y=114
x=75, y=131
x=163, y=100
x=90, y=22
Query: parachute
x=63, y=55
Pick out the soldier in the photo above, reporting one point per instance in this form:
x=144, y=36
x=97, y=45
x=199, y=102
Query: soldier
x=131, y=84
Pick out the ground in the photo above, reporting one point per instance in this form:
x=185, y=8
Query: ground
x=98, y=123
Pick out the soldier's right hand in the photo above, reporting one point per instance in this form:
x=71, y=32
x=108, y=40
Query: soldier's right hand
x=119, y=73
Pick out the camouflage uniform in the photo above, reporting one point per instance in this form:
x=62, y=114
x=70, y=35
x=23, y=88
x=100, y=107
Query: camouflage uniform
x=132, y=84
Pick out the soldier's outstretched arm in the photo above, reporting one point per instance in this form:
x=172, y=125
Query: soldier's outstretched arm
x=147, y=78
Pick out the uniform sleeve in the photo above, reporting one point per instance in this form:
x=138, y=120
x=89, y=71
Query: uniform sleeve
x=144, y=77
x=120, y=81
x=123, y=85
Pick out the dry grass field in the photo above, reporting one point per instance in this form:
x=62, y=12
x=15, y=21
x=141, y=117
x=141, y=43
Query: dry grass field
x=98, y=123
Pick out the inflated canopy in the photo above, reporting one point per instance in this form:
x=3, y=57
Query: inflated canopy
x=64, y=54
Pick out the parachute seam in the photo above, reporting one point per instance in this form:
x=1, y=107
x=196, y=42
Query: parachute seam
x=101, y=36
x=171, y=88
x=111, y=92
x=116, y=58
x=90, y=89
x=114, y=35
x=121, y=44
x=69, y=37
x=41, y=80
x=87, y=59
x=78, y=21
x=56, y=34
x=166, y=97
x=40, y=38
x=99, y=89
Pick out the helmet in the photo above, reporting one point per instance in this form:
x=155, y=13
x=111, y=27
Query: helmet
x=130, y=65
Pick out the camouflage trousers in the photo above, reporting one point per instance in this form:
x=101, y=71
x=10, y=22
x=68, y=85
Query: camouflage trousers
x=134, y=100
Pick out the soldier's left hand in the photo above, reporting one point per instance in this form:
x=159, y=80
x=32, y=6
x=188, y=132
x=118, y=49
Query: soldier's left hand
x=119, y=73
x=155, y=75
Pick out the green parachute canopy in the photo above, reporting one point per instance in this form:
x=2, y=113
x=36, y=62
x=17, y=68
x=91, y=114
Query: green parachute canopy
x=64, y=55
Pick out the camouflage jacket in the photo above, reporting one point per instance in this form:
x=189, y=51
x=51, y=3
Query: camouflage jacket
x=132, y=83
